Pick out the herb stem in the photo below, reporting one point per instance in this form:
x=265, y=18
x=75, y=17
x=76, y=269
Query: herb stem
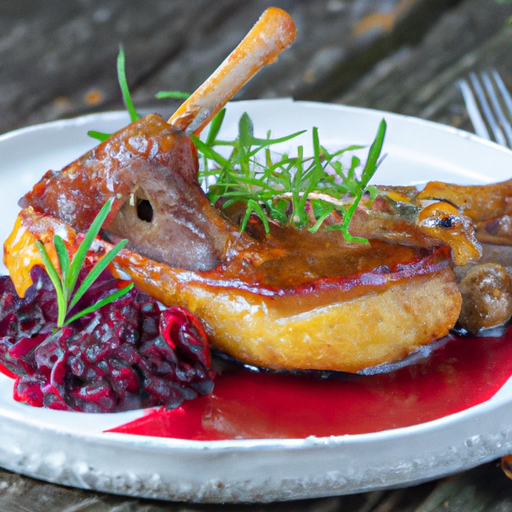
x=65, y=283
x=291, y=190
x=123, y=83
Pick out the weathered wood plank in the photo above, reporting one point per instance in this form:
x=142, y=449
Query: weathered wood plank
x=420, y=80
x=482, y=489
x=58, y=58
x=336, y=42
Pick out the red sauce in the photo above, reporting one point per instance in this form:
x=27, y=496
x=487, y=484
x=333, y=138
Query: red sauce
x=457, y=375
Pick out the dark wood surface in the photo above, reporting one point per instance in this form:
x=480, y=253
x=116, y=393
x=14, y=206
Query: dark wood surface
x=57, y=59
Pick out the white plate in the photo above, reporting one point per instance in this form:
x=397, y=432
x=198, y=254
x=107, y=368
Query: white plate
x=72, y=448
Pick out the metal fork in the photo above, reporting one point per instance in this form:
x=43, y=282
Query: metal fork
x=489, y=106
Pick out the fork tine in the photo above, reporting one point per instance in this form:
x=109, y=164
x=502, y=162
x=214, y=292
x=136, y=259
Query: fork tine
x=486, y=109
x=473, y=111
x=503, y=123
x=506, y=102
x=503, y=89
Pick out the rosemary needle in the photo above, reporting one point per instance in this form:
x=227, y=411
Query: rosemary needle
x=65, y=283
x=301, y=191
x=287, y=189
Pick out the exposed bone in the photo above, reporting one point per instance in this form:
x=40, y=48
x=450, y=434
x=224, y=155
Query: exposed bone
x=177, y=204
x=273, y=32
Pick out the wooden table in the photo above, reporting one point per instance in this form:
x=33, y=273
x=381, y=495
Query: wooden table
x=57, y=59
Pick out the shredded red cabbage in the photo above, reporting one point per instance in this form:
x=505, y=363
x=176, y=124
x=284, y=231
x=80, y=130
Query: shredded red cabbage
x=127, y=355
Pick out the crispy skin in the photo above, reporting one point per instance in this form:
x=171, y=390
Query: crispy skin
x=345, y=335
x=331, y=328
x=488, y=206
x=346, y=323
x=479, y=202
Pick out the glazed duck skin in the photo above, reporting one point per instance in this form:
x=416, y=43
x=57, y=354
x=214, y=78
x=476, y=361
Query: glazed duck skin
x=488, y=206
x=290, y=300
x=150, y=168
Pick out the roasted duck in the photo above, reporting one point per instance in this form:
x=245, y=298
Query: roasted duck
x=286, y=299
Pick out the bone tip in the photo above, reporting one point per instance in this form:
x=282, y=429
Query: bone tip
x=281, y=18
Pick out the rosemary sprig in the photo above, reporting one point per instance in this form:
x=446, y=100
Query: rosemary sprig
x=172, y=94
x=288, y=189
x=123, y=83
x=361, y=185
x=127, y=99
x=101, y=136
x=125, y=91
x=66, y=282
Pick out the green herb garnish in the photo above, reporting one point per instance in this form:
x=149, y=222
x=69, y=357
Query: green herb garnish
x=301, y=191
x=101, y=136
x=123, y=83
x=125, y=91
x=172, y=94
x=65, y=282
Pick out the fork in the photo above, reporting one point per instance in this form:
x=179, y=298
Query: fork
x=489, y=106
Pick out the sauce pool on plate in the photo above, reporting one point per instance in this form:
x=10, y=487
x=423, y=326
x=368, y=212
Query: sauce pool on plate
x=457, y=375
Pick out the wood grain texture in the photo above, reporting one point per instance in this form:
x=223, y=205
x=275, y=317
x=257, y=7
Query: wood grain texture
x=482, y=489
x=420, y=80
x=57, y=59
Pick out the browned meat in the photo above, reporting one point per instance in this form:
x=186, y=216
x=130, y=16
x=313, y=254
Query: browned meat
x=150, y=168
x=287, y=300
x=488, y=206
x=486, y=297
